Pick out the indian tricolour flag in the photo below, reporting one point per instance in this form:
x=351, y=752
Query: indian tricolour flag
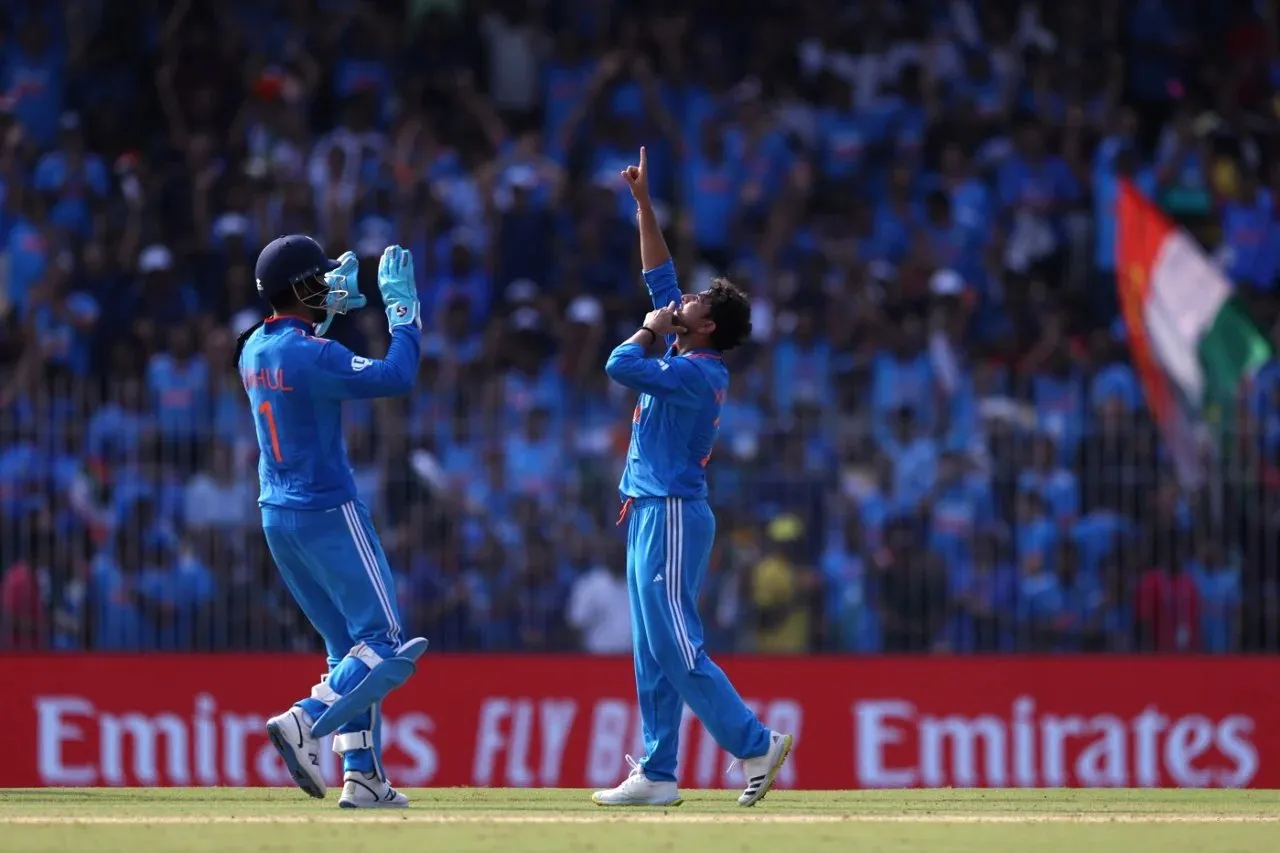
x=1192, y=341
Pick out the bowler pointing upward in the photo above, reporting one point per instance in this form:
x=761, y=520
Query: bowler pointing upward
x=671, y=528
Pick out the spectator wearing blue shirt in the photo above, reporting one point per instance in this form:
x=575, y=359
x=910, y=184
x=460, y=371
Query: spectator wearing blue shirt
x=766, y=156
x=27, y=248
x=914, y=455
x=979, y=91
x=1080, y=623
x=163, y=301
x=124, y=614
x=541, y=596
x=1035, y=189
x=537, y=464
x=1044, y=611
x=459, y=454
x=1114, y=621
x=1058, y=392
x=219, y=498
x=1100, y=535
x=1115, y=379
x=491, y=592
x=907, y=116
x=525, y=239
x=178, y=381
x=962, y=504
x=188, y=591
x=802, y=364
x=985, y=599
x=852, y=622
x=1217, y=580
x=435, y=589
x=116, y=429
x=901, y=205
x=532, y=381
x=1036, y=534
x=462, y=282
x=949, y=245
x=872, y=497
x=566, y=79
x=712, y=185
x=73, y=181
x=32, y=78
x=21, y=477
x=1056, y=485
x=902, y=376
x=522, y=163
x=877, y=238
x=65, y=326
x=970, y=199
x=362, y=73
x=1263, y=404
x=1247, y=231
x=843, y=139
x=486, y=490
x=147, y=491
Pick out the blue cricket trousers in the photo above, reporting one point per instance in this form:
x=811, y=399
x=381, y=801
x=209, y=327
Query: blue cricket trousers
x=668, y=548
x=333, y=563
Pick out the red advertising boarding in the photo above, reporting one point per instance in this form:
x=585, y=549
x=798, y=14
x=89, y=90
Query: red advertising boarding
x=543, y=721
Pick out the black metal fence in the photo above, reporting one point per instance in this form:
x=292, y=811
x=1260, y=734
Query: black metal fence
x=128, y=527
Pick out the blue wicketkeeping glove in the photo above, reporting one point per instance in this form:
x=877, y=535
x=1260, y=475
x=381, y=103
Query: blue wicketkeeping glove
x=344, y=290
x=347, y=277
x=399, y=288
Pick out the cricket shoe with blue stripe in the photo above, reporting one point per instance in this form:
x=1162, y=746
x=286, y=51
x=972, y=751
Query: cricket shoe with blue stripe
x=290, y=733
x=369, y=791
x=763, y=769
x=639, y=790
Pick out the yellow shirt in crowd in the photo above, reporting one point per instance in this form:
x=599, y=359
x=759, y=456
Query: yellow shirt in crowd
x=774, y=582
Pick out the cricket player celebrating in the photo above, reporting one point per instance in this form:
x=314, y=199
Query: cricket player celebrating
x=318, y=531
x=664, y=489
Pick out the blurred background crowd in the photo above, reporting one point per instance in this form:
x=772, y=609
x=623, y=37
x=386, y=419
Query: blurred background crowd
x=935, y=441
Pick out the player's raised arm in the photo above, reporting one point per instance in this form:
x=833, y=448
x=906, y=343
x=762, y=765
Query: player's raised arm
x=341, y=374
x=655, y=257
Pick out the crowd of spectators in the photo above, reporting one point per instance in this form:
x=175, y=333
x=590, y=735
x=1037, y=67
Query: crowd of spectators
x=934, y=441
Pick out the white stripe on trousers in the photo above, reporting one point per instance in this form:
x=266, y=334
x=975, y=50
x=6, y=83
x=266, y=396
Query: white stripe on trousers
x=370, y=560
x=675, y=581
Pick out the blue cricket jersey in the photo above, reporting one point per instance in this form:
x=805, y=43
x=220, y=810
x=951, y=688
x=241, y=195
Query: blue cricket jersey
x=678, y=415
x=296, y=383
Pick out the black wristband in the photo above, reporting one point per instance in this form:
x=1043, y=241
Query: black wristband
x=651, y=332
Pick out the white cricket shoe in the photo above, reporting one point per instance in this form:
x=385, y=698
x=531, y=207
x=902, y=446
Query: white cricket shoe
x=761, y=770
x=638, y=790
x=290, y=734
x=369, y=791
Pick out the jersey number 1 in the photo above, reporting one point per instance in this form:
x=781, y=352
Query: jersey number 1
x=265, y=410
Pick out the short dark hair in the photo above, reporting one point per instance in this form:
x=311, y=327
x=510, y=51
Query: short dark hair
x=731, y=312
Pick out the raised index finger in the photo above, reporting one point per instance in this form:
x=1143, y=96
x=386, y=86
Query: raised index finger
x=643, y=160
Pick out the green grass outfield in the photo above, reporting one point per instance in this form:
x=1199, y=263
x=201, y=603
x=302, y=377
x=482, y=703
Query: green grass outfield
x=462, y=820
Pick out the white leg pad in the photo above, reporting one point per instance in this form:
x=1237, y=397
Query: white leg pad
x=324, y=693
x=365, y=655
x=352, y=740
